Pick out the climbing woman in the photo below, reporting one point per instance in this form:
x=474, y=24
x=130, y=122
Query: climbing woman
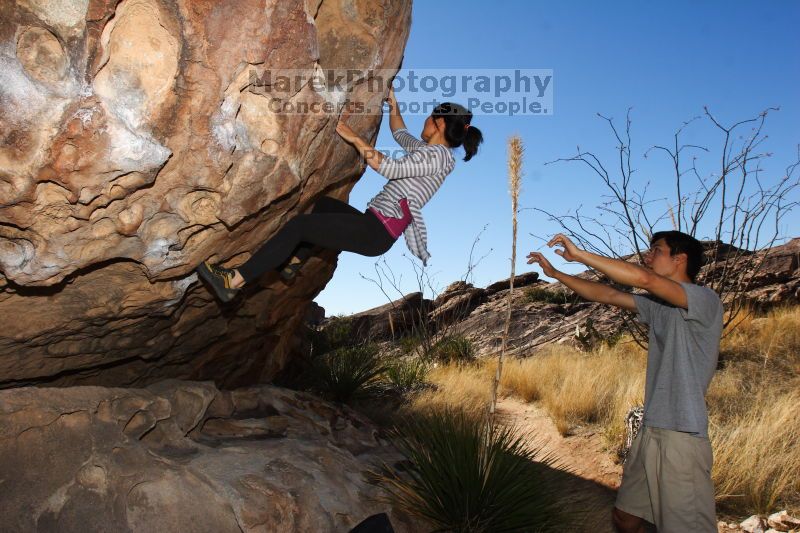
x=333, y=224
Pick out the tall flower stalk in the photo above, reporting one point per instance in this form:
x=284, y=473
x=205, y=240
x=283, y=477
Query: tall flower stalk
x=515, y=151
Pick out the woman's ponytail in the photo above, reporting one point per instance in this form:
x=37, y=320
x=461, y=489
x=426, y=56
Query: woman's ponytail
x=472, y=139
x=458, y=131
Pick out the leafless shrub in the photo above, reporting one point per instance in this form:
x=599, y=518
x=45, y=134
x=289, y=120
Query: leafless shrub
x=735, y=208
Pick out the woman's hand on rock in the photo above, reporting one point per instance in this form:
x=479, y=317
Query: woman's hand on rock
x=345, y=132
x=391, y=100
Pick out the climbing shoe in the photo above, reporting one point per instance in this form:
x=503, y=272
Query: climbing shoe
x=220, y=280
x=290, y=269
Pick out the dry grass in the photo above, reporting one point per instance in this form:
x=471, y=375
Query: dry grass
x=461, y=387
x=772, y=340
x=753, y=408
x=753, y=399
x=578, y=388
x=757, y=455
x=761, y=352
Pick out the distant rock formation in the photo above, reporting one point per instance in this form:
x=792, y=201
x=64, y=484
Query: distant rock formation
x=132, y=148
x=544, y=313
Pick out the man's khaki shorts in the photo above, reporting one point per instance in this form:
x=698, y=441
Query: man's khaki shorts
x=667, y=481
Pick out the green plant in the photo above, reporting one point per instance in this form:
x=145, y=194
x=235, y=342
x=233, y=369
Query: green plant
x=540, y=294
x=590, y=339
x=347, y=373
x=452, y=349
x=409, y=343
x=338, y=332
x=468, y=474
x=407, y=375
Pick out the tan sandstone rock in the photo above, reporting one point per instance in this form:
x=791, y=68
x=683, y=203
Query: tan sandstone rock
x=783, y=521
x=134, y=145
x=184, y=456
x=754, y=524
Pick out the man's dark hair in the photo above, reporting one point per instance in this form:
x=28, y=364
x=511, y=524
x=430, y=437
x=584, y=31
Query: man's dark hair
x=681, y=243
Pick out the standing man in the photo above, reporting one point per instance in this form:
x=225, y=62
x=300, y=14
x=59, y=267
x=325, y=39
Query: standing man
x=667, y=476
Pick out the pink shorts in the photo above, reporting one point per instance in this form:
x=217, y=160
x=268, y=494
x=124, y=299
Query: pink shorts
x=395, y=226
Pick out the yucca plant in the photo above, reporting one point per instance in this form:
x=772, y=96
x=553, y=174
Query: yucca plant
x=409, y=343
x=469, y=474
x=338, y=332
x=347, y=373
x=452, y=349
x=407, y=375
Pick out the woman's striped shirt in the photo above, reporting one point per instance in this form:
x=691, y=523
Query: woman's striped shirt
x=416, y=177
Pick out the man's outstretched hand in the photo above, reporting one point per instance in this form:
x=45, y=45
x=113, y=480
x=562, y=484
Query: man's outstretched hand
x=568, y=249
x=587, y=289
x=547, y=268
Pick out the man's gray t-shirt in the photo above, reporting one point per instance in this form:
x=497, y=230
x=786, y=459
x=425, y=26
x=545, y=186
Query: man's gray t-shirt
x=681, y=358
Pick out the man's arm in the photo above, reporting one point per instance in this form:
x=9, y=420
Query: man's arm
x=623, y=272
x=589, y=290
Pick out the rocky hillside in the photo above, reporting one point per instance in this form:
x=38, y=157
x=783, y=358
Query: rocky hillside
x=184, y=456
x=134, y=144
x=544, y=313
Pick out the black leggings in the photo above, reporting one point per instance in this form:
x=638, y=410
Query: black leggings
x=332, y=224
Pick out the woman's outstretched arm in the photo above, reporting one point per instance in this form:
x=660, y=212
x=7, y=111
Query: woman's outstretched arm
x=398, y=126
x=373, y=157
x=396, y=121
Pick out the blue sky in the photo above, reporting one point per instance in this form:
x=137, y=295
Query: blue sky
x=664, y=60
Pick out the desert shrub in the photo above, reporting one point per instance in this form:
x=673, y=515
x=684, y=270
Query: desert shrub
x=347, y=373
x=452, y=348
x=590, y=339
x=338, y=332
x=540, y=294
x=467, y=474
x=409, y=343
x=407, y=375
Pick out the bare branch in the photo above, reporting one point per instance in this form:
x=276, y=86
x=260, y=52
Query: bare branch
x=742, y=213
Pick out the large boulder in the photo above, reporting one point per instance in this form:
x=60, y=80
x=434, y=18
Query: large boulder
x=185, y=456
x=776, y=281
x=390, y=321
x=455, y=303
x=136, y=140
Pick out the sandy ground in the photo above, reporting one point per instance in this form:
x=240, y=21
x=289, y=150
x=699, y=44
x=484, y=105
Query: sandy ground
x=589, y=472
x=583, y=453
x=587, y=464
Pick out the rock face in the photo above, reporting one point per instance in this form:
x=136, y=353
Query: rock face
x=182, y=456
x=134, y=145
x=392, y=320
